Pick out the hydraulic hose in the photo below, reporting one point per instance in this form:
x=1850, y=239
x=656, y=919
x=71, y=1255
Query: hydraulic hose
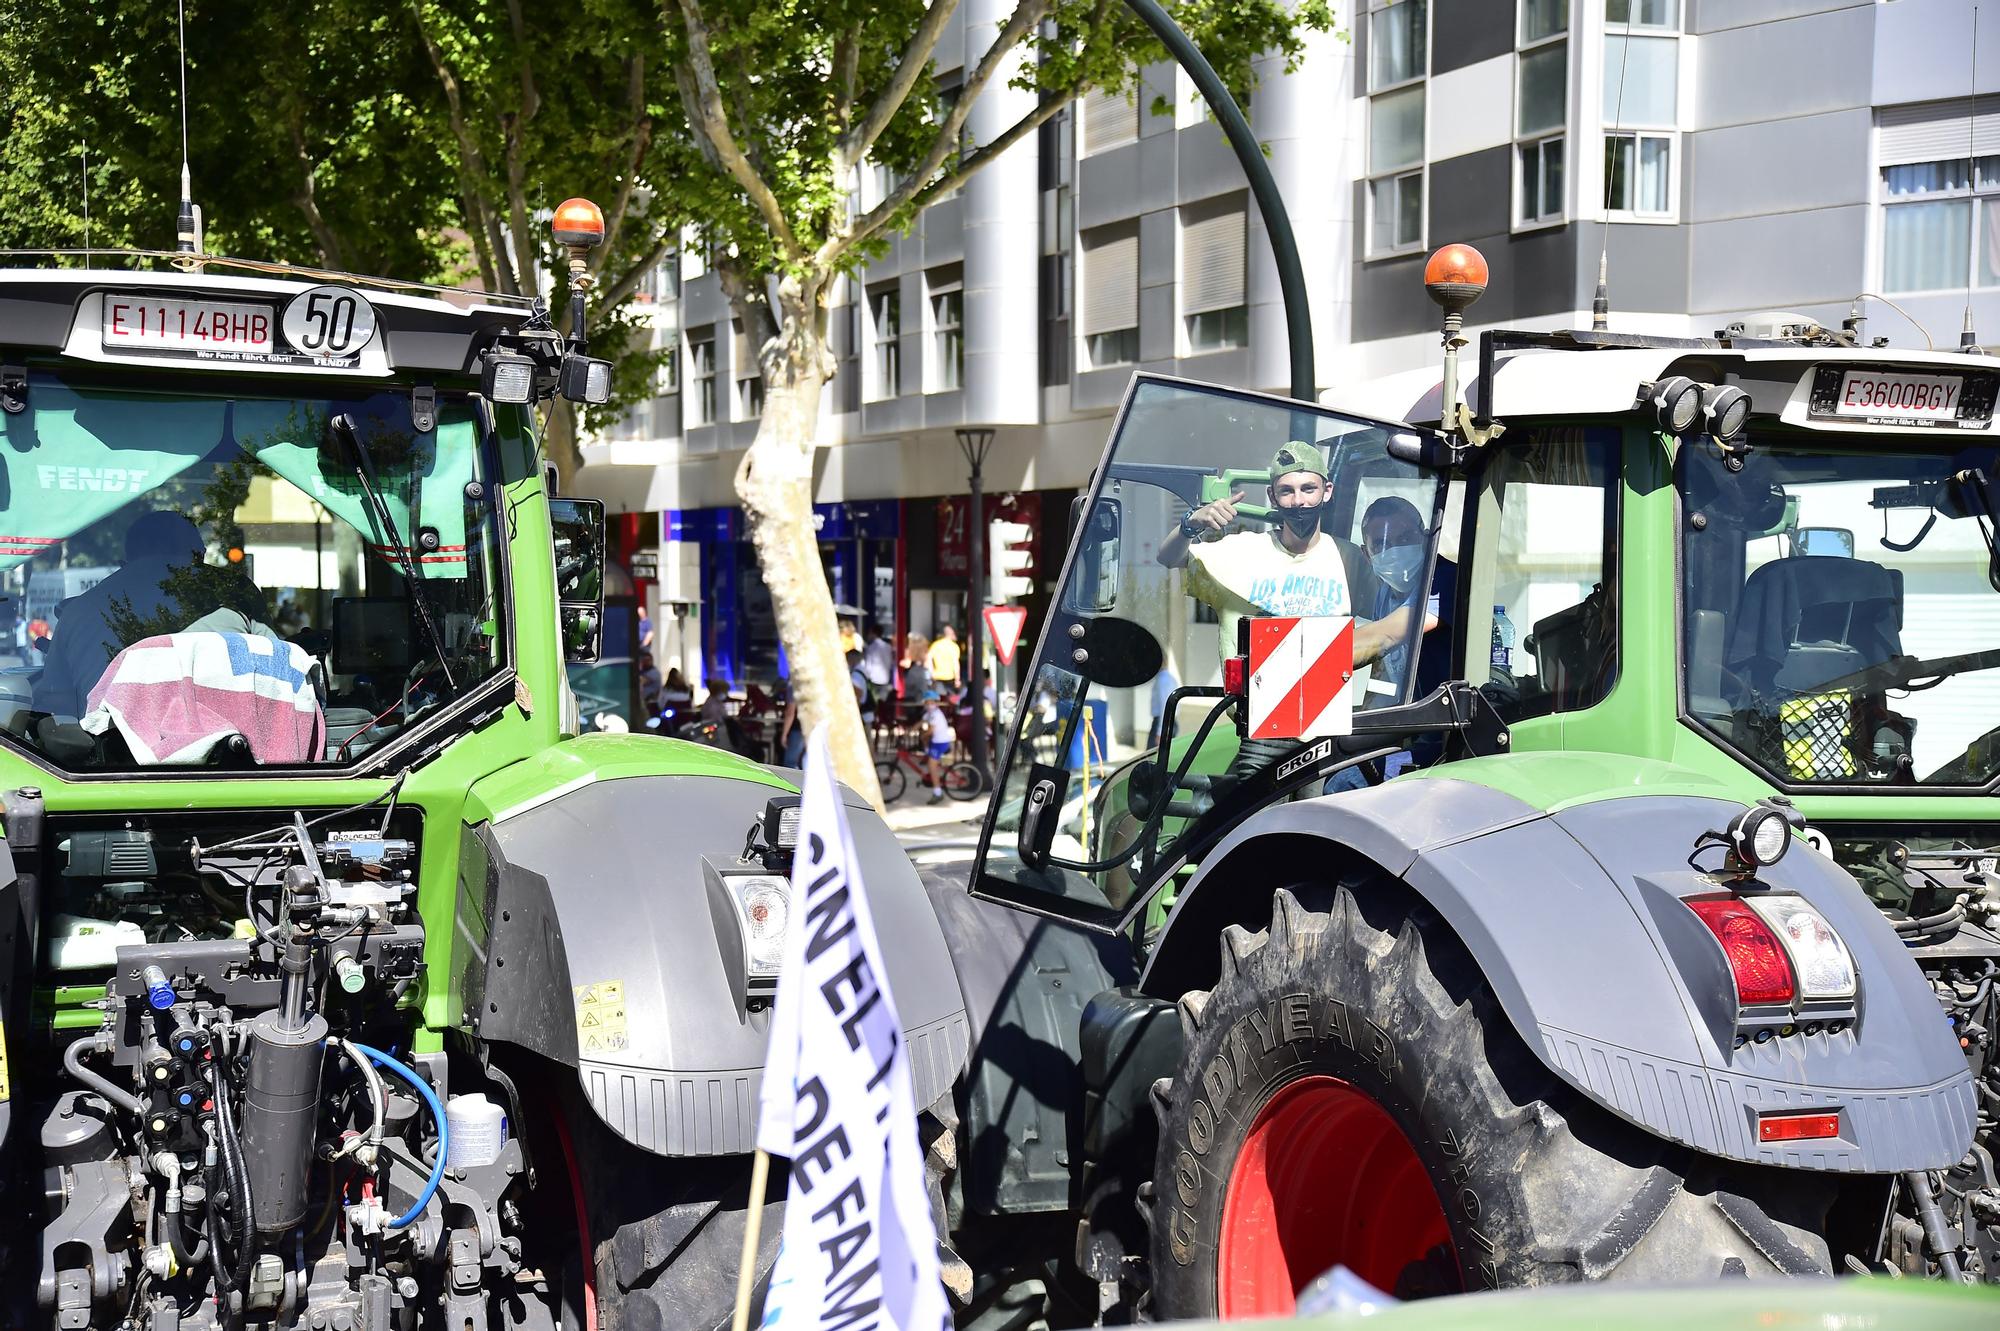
x=423, y=1089
x=1936, y=1236
x=243, y=1220
x=377, y=1101
x=99, y=1043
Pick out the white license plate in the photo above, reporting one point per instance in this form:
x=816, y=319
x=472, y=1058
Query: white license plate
x=159, y=324
x=1874, y=395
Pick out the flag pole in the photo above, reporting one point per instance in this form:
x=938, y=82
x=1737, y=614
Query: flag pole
x=753, y=1225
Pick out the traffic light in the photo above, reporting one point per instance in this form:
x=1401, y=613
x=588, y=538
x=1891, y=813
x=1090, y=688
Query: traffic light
x=1010, y=559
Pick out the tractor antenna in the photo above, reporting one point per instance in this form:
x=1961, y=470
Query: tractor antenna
x=1968, y=341
x=187, y=225
x=1600, y=302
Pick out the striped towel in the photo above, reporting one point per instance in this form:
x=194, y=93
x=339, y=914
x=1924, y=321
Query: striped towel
x=174, y=697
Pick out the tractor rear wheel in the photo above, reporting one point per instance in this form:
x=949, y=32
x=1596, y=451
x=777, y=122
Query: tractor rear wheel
x=1350, y=1093
x=665, y=1235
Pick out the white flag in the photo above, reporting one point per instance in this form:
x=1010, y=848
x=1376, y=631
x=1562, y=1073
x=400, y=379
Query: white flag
x=859, y=1247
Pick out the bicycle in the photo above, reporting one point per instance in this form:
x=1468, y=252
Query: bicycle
x=962, y=780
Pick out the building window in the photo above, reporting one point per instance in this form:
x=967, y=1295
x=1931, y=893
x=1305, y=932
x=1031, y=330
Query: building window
x=1110, y=306
x=1055, y=302
x=1398, y=61
x=1109, y=119
x=1642, y=13
x=1213, y=311
x=1541, y=113
x=701, y=373
x=749, y=374
x=1941, y=225
x=1641, y=106
x=693, y=254
x=667, y=379
x=946, y=289
x=1638, y=173
x=885, y=329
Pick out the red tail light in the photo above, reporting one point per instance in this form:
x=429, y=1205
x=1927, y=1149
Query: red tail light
x=1797, y=1127
x=1756, y=958
x=1236, y=676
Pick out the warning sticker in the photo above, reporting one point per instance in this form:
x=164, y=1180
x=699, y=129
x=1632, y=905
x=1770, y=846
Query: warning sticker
x=600, y=1018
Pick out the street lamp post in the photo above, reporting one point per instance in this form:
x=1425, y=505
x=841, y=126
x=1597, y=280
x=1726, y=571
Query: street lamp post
x=974, y=442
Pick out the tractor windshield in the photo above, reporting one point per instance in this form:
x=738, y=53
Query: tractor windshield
x=1211, y=508
x=1842, y=610
x=236, y=580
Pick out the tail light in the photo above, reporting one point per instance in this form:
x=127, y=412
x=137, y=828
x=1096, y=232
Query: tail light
x=1236, y=676
x=1820, y=960
x=1797, y=1127
x=1756, y=957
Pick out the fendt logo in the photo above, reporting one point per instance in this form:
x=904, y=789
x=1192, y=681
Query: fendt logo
x=96, y=480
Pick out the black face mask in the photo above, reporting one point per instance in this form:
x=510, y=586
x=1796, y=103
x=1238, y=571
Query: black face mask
x=1302, y=520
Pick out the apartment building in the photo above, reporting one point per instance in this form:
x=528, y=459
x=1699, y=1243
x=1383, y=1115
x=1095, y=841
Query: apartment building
x=1724, y=158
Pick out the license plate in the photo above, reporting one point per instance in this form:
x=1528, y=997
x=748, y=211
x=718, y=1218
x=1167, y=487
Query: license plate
x=1876, y=395
x=153, y=325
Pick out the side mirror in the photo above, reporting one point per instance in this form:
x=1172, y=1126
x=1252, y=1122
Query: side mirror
x=1093, y=585
x=578, y=528
x=1836, y=542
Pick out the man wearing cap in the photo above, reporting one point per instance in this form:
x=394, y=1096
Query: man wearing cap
x=1293, y=569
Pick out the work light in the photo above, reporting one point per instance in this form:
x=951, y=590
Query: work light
x=1676, y=402
x=506, y=377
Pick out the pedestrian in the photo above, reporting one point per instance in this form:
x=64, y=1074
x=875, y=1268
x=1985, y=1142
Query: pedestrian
x=791, y=735
x=937, y=727
x=715, y=707
x=850, y=636
x=916, y=671
x=649, y=685
x=878, y=662
x=862, y=698
x=944, y=658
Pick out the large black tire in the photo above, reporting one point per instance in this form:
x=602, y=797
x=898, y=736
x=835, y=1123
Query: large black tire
x=667, y=1234
x=1494, y=1174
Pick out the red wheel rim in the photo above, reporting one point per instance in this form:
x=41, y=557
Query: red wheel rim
x=1325, y=1178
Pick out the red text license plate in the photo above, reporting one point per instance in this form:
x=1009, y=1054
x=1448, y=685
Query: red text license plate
x=184, y=327
x=1874, y=395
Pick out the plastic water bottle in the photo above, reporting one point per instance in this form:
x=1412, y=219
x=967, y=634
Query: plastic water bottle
x=1503, y=639
x=478, y=1131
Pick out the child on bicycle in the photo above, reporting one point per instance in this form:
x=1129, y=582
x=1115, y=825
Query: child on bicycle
x=937, y=727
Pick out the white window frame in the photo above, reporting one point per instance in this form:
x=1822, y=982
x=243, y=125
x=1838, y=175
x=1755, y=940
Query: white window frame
x=1672, y=140
x=884, y=375
x=1669, y=30
x=701, y=404
x=1540, y=139
x=1982, y=195
x=1420, y=168
x=935, y=331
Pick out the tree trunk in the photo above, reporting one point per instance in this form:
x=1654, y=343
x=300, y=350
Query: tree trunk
x=774, y=484
x=561, y=446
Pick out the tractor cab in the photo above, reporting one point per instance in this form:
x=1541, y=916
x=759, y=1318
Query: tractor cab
x=1151, y=723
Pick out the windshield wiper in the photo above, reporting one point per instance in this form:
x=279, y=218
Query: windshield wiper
x=364, y=468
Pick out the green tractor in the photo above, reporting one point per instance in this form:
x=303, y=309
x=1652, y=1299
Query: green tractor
x=343, y=982
x=1543, y=844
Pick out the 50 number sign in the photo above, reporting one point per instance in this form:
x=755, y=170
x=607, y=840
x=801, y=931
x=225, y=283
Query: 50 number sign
x=331, y=323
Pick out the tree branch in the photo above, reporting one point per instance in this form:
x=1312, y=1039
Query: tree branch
x=711, y=123
x=1023, y=21
x=613, y=294
x=642, y=139
x=329, y=244
x=971, y=166
x=846, y=71
x=914, y=64
x=531, y=97
x=472, y=162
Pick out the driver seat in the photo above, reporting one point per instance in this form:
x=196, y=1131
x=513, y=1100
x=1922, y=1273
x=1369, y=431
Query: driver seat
x=1804, y=620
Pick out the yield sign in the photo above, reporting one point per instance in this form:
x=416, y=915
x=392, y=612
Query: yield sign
x=1299, y=673
x=1004, y=623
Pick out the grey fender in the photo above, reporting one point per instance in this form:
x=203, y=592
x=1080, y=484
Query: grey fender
x=1576, y=920
x=671, y=1056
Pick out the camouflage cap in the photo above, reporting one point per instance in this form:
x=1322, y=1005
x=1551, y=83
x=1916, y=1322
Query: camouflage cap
x=1298, y=457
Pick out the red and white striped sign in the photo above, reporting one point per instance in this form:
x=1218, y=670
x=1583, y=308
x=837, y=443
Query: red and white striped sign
x=1299, y=673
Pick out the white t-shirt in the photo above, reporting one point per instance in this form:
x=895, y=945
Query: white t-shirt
x=1252, y=573
x=939, y=723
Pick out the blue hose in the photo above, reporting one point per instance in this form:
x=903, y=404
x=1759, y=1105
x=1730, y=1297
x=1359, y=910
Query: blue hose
x=423, y=1088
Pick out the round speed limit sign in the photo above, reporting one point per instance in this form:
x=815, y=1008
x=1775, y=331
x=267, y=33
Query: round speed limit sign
x=329, y=323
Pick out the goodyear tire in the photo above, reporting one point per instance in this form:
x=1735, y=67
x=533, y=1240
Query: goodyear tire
x=1350, y=1093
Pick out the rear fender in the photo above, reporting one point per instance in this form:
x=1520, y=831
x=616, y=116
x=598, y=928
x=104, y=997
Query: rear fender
x=1575, y=920
x=628, y=969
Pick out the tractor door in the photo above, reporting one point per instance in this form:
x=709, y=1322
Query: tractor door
x=1129, y=753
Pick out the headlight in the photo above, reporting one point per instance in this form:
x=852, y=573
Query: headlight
x=1824, y=967
x=765, y=903
x=507, y=378
x=1676, y=402
x=1760, y=835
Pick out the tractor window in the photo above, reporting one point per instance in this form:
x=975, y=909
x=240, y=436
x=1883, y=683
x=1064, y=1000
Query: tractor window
x=1841, y=619
x=1542, y=624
